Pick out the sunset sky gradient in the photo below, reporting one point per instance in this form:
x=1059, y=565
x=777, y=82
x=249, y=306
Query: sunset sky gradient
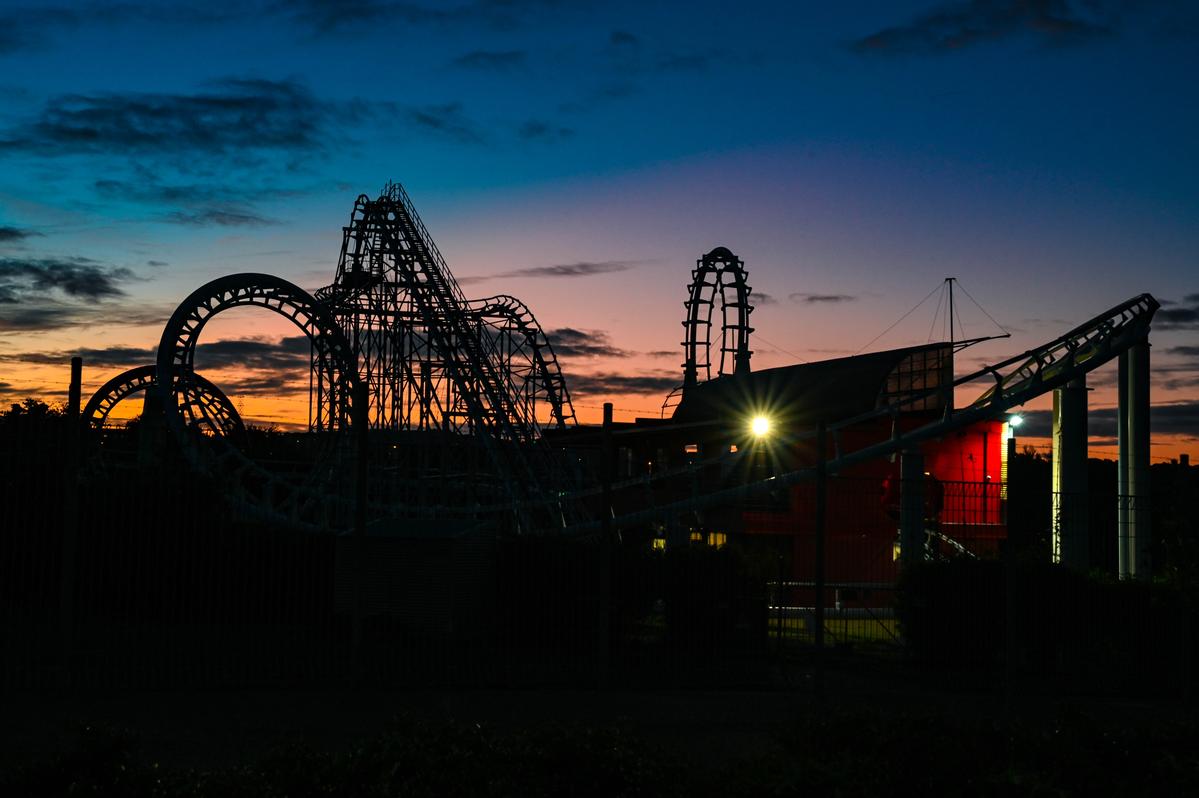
x=582, y=155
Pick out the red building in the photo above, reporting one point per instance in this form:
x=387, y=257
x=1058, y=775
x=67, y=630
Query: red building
x=964, y=485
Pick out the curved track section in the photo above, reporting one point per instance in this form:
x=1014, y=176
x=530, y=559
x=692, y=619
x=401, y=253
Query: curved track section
x=307, y=496
x=177, y=347
x=718, y=275
x=218, y=415
x=530, y=364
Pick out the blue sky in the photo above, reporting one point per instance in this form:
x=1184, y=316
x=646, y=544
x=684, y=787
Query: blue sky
x=1041, y=151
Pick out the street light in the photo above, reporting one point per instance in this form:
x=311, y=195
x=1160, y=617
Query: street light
x=760, y=426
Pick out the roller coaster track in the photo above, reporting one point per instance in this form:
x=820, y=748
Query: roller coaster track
x=391, y=227
x=1015, y=381
x=508, y=311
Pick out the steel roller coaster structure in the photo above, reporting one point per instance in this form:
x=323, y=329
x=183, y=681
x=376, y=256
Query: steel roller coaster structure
x=457, y=392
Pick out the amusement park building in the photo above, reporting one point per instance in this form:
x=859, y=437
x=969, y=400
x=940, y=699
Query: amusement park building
x=964, y=485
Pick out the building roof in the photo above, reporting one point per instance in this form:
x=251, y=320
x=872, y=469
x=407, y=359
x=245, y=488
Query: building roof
x=800, y=395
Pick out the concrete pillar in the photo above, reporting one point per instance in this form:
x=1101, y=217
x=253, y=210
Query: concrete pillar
x=911, y=506
x=1071, y=532
x=1123, y=554
x=1135, y=449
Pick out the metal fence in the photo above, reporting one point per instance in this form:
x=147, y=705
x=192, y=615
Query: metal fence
x=135, y=577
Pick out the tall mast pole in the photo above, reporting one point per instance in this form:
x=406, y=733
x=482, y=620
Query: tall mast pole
x=951, y=368
x=950, y=281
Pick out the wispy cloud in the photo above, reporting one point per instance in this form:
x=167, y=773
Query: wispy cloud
x=273, y=362
x=233, y=117
x=955, y=26
x=31, y=26
x=614, y=384
x=262, y=354
x=537, y=129
x=10, y=234
x=491, y=60
x=1181, y=418
x=50, y=293
x=579, y=269
x=569, y=343
x=447, y=120
x=821, y=299
x=330, y=16
x=72, y=276
x=220, y=217
x=1182, y=315
x=42, y=314
x=102, y=357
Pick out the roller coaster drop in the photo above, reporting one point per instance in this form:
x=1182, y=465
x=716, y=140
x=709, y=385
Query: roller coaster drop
x=459, y=391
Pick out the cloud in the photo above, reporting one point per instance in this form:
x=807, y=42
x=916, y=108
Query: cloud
x=41, y=313
x=958, y=25
x=1185, y=351
x=623, y=39
x=1178, y=315
x=540, y=130
x=821, y=299
x=687, y=62
x=272, y=360
x=235, y=116
x=228, y=202
x=569, y=342
x=27, y=28
x=330, y=16
x=491, y=60
x=121, y=357
x=580, y=269
x=1181, y=418
x=220, y=217
x=287, y=353
x=73, y=276
x=759, y=298
x=594, y=384
x=157, y=263
x=446, y=120
x=10, y=234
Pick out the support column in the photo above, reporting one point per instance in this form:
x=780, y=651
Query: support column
x=911, y=506
x=76, y=390
x=1123, y=519
x=1139, y=495
x=1071, y=532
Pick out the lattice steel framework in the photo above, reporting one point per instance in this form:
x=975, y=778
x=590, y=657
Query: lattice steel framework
x=314, y=497
x=718, y=276
x=216, y=414
x=479, y=373
x=458, y=390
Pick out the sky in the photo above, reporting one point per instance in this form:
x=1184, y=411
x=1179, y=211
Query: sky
x=582, y=155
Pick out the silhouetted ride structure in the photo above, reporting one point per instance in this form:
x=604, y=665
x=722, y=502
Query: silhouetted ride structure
x=464, y=415
x=457, y=391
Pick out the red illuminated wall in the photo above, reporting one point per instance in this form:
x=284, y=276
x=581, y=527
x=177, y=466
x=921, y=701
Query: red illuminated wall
x=860, y=530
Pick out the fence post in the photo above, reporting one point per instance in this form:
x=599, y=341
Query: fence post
x=70, y=525
x=608, y=549
x=361, y=422
x=821, y=491
x=911, y=514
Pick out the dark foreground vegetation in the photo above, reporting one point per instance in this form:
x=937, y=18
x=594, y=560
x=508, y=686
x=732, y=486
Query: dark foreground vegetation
x=863, y=752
